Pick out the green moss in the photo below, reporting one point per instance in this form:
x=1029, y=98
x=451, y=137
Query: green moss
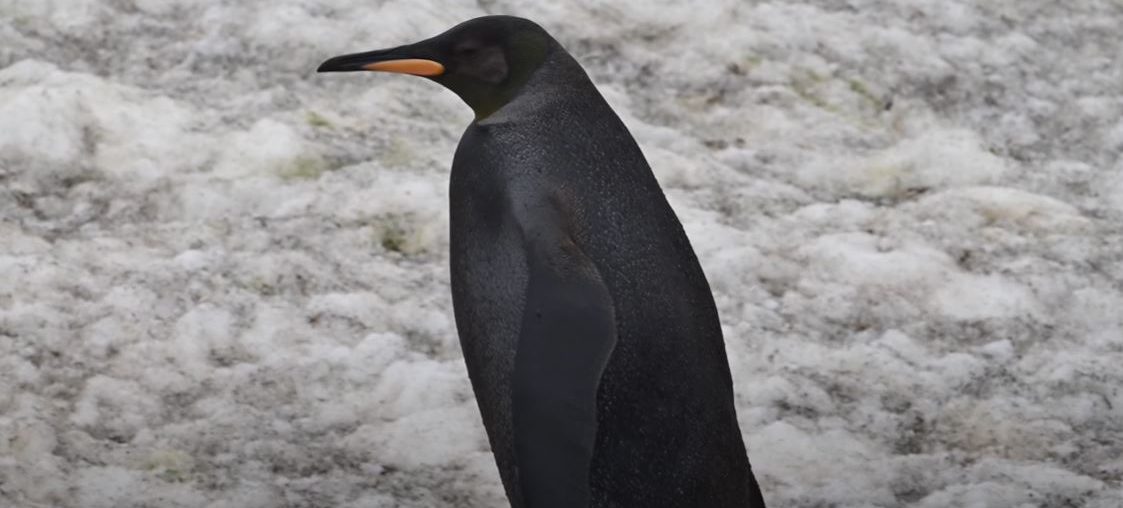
x=401, y=234
x=862, y=90
x=804, y=92
x=804, y=85
x=744, y=65
x=399, y=153
x=173, y=476
x=394, y=239
x=170, y=465
x=261, y=287
x=304, y=168
x=883, y=180
x=318, y=121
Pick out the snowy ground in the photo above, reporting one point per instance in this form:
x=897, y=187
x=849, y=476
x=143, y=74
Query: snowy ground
x=224, y=282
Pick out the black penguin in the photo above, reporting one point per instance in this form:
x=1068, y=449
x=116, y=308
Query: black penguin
x=589, y=330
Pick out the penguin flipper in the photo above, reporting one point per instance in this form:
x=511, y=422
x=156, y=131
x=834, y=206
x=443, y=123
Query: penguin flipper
x=567, y=336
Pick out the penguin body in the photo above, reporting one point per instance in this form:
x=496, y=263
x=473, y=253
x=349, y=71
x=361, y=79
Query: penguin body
x=590, y=334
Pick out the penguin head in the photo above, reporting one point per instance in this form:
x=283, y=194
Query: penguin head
x=484, y=60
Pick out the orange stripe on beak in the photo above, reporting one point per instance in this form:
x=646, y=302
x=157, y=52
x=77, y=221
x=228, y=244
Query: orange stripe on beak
x=415, y=66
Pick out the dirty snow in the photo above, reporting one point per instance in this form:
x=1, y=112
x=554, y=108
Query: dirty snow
x=224, y=282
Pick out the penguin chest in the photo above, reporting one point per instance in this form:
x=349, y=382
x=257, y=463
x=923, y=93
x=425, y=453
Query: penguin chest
x=488, y=265
x=489, y=276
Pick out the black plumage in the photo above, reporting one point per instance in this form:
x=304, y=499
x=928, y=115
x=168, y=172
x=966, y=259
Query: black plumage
x=589, y=330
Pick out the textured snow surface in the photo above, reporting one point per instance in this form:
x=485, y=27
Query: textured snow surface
x=224, y=281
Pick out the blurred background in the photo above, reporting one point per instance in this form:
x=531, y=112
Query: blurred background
x=224, y=281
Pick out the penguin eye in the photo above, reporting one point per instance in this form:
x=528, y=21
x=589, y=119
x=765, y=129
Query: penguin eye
x=487, y=62
x=466, y=51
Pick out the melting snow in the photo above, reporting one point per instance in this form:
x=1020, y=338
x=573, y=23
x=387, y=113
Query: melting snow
x=223, y=278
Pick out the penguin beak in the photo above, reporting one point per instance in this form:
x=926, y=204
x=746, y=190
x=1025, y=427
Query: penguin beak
x=385, y=60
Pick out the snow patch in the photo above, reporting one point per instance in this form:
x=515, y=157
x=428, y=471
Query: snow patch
x=937, y=158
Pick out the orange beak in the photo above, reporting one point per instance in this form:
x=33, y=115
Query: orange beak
x=415, y=66
x=404, y=60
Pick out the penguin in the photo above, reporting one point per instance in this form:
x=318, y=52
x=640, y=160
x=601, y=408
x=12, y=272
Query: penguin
x=588, y=328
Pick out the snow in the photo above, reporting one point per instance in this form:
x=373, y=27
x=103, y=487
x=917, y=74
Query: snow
x=224, y=282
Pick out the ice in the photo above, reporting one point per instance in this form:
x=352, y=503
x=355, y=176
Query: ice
x=224, y=278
